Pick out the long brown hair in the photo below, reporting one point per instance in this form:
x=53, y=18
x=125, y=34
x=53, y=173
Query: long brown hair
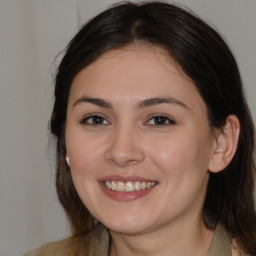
x=206, y=59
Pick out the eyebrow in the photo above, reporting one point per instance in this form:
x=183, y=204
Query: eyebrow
x=161, y=100
x=95, y=101
x=143, y=104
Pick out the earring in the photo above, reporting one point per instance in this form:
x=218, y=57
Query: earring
x=68, y=160
x=219, y=150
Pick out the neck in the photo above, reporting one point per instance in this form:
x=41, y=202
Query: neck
x=179, y=239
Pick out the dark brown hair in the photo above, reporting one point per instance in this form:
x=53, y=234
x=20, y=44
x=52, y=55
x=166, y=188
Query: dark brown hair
x=204, y=57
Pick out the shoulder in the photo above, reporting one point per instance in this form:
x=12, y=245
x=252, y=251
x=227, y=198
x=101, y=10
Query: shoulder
x=235, y=249
x=59, y=248
x=95, y=242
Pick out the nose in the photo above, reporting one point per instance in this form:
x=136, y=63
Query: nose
x=125, y=147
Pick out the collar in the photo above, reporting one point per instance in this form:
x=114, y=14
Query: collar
x=221, y=243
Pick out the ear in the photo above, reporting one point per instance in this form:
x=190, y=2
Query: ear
x=225, y=145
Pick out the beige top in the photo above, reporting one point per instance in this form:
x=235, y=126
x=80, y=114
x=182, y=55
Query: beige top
x=220, y=246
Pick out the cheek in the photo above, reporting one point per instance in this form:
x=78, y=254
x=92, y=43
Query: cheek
x=85, y=166
x=84, y=153
x=182, y=166
x=84, y=159
x=181, y=156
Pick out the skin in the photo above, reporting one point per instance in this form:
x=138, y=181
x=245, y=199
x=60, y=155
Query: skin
x=128, y=141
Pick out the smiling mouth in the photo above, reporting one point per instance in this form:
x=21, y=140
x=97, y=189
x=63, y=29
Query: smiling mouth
x=129, y=186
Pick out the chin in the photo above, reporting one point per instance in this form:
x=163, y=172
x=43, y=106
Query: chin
x=129, y=226
x=127, y=230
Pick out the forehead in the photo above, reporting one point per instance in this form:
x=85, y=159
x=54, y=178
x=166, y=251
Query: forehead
x=134, y=72
x=135, y=54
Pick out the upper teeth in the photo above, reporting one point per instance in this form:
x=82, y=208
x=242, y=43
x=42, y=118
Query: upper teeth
x=128, y=186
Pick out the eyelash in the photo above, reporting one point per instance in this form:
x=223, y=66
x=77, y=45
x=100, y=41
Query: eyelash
x=94, y=118
x=98, y=120
x=160, y=117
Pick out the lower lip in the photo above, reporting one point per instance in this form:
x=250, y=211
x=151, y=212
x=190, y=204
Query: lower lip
x=125, y=196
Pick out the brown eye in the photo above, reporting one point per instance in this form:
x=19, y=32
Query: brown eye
x=95, y=120
x=160, y=120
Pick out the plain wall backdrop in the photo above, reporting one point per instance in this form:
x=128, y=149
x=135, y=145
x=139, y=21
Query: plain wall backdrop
x=32, y=34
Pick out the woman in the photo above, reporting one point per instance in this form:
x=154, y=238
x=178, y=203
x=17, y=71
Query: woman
x=154, y=138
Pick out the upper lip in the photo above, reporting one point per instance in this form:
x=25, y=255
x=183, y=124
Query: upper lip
x=125, y=178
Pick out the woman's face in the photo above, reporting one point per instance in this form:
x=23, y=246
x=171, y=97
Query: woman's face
x=139, y=141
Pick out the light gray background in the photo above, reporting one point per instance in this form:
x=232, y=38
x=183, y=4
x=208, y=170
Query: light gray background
x=32, y=33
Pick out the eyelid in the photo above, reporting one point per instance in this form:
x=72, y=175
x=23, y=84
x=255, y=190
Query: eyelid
x=85, y=118
x=92, y=115
x=170, y=119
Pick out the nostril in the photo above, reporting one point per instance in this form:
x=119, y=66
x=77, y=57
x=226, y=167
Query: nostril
x=124, y=147
x=132, y=162
x=122, y=162
x=122, y=159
